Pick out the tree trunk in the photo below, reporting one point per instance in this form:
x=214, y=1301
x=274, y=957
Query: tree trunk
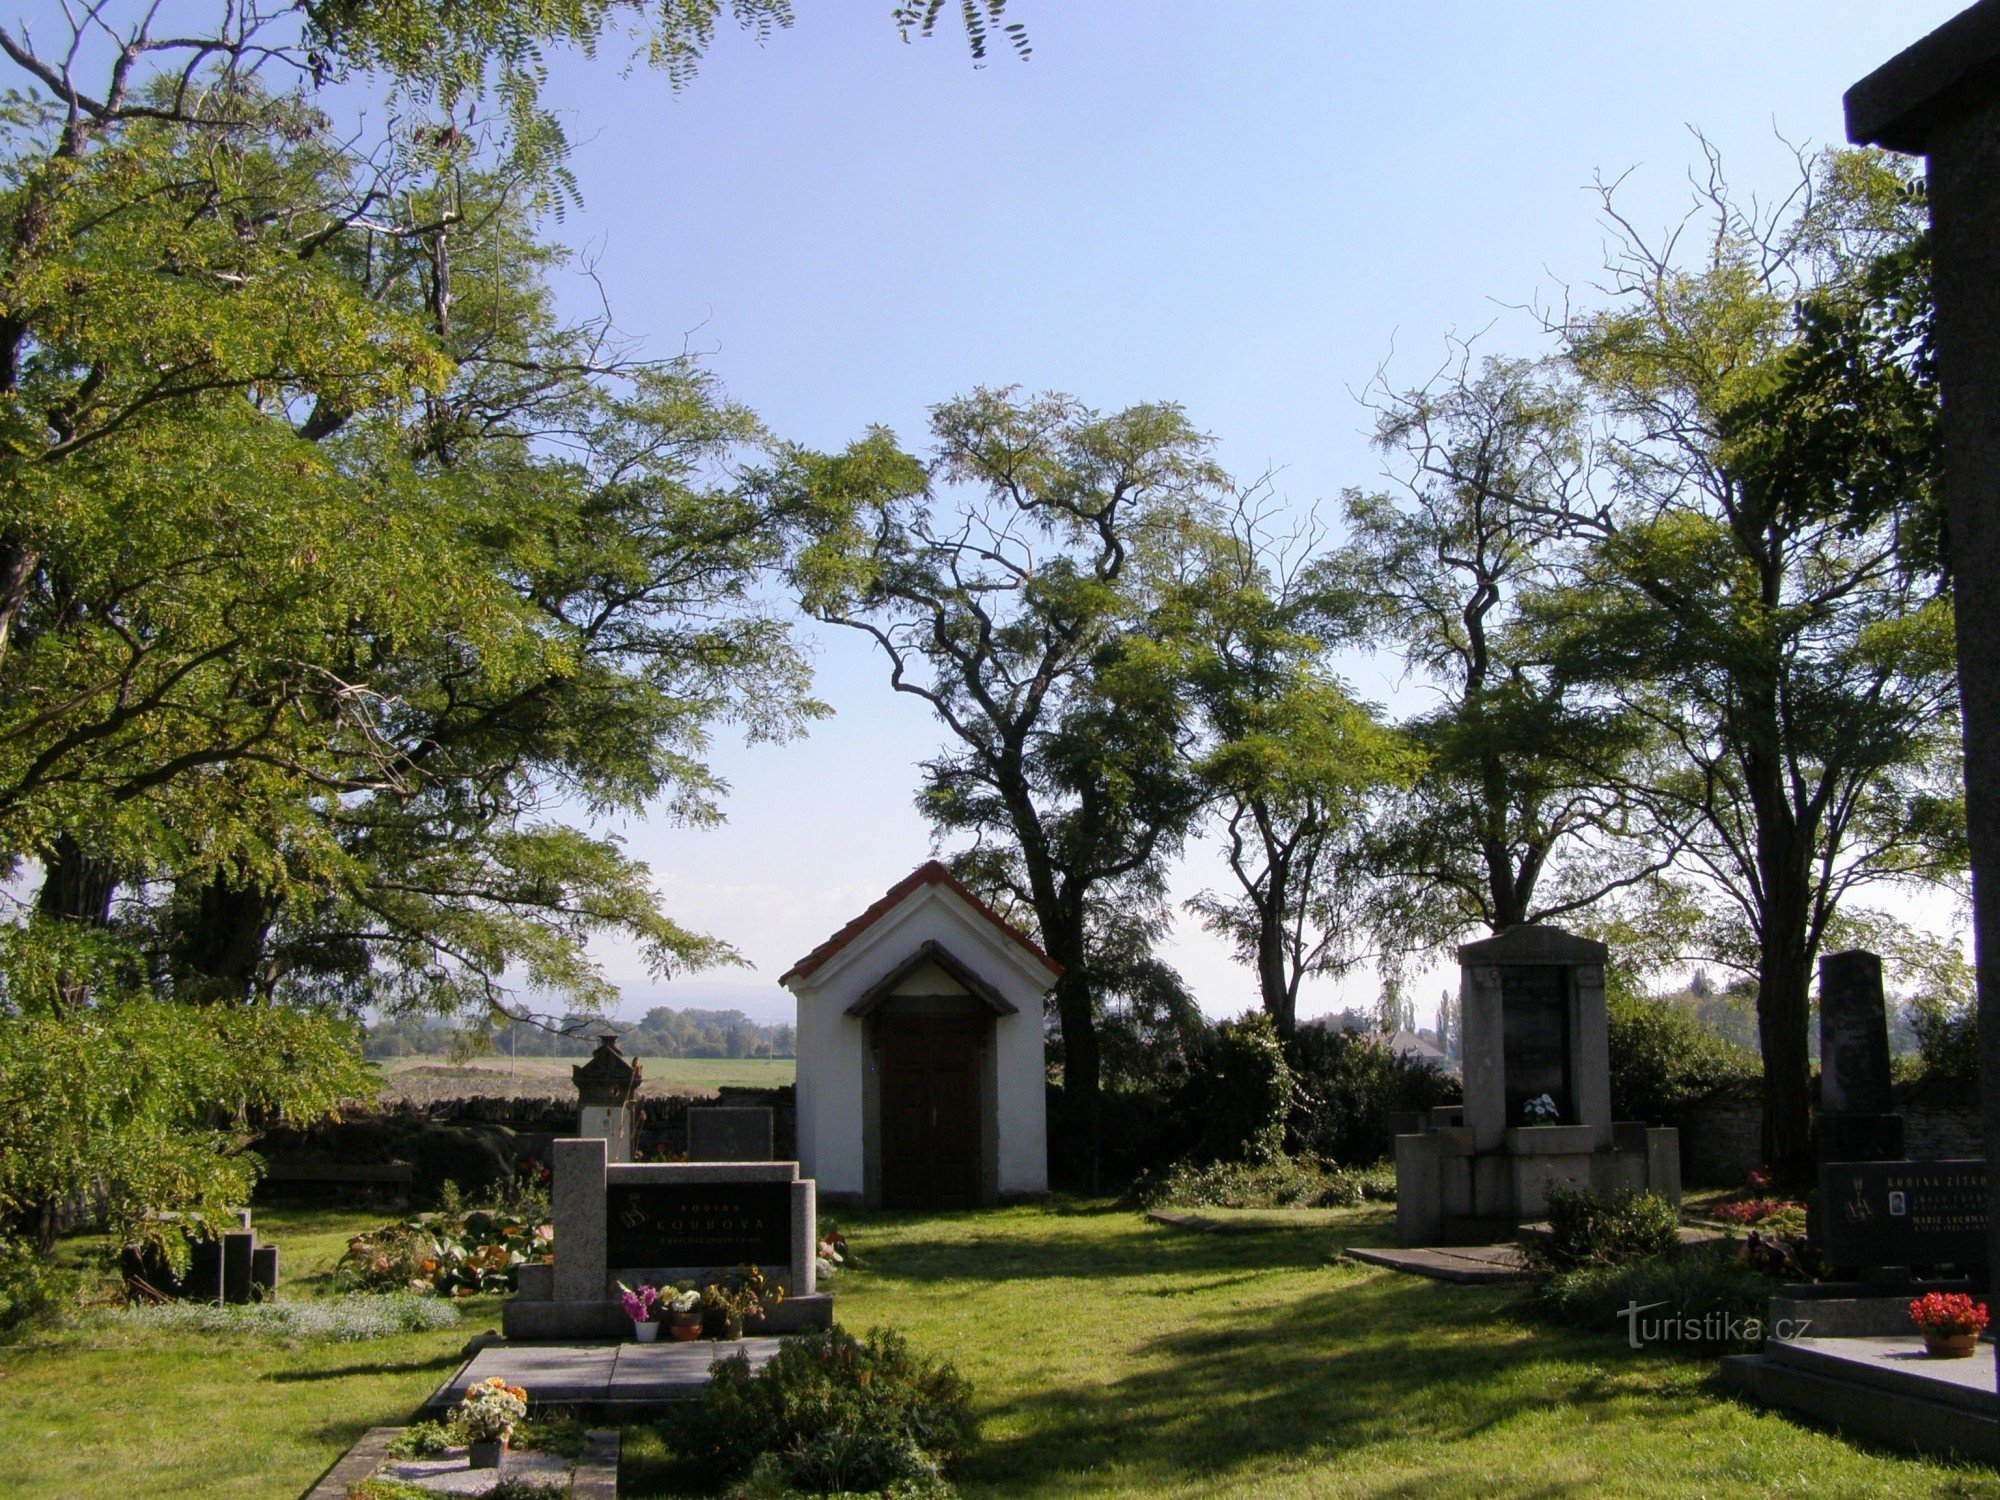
x=218, y=944
x=76, y=885
x=1273, y=972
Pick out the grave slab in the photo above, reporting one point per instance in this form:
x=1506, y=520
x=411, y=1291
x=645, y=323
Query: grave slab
x=1884, y=1388
x=1468, y=1265
x=629, y=1375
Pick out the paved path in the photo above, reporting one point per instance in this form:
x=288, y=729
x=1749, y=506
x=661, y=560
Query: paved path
x=628, y=1375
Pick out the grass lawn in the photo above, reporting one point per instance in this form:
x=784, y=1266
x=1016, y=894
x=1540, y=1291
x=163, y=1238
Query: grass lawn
x=1110, y=1357
x=427, y=1079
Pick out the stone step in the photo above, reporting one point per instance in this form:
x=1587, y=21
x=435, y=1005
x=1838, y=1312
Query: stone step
x=1873, y=1390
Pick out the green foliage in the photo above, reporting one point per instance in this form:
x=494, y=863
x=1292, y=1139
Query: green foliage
x=133, y=1098
x=1348, y=1084
x=1289, y=761
x=1589, y=1230
x=1708, y=1293
x=837, y=1413
x=32, y=1289
x=1947, y=1030
x=1241, y=1090
x=1280, y=1182
x=1663, y=1059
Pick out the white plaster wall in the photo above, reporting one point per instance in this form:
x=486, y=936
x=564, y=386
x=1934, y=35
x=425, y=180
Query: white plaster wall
x=831, y=1056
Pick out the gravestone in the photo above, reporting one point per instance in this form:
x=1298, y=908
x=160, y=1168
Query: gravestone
x=730, y=1133
x=1903, y=1214
x=1533, y=1014
x=664, y=1222
x=605, y=1087
x=1855, y=1121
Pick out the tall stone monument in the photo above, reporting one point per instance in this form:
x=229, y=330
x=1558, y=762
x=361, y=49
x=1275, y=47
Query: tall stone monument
x=1941, y=99
x=1855, y=1121
x=605, y=1087
x=1537, y=1109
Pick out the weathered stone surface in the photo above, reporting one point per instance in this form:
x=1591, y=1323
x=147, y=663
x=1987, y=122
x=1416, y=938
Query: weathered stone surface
x=578, y=1203
x=1853, y=1035
x=732, y=1133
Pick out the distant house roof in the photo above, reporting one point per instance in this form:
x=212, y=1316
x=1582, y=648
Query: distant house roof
x=930, y=873
x=1409, y=1044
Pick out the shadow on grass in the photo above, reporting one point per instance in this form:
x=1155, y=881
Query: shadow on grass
x=1361, y=1366
x=449, y=1361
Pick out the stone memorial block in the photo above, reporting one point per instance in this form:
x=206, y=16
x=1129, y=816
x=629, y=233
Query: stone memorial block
x=1903, y=1213
x=605, y=1088
x=237, y=1253
x=1532, y=1003
x=264, y=1270
x=730, y=1133
x=1853, y=1035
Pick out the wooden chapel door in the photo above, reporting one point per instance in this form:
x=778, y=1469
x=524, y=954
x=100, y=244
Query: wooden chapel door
x=930, y=1110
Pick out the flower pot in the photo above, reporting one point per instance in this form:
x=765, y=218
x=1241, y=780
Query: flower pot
x=728, y=1330
x=685, y=1326
x=645, y=1333
x=1946, y=1345
x=486, y=1453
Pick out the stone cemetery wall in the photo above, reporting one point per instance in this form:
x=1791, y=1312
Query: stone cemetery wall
x=1720, y=1136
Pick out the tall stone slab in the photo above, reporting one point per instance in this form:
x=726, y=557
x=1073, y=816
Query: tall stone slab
x=1941, y=99
x=1856, y=1121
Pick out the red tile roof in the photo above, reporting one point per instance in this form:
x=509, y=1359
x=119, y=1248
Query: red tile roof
x=931, y=873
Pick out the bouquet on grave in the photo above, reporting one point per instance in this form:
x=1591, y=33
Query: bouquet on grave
x=1948, y=1312
x=1542, y=1110
x=490, y=1410
x=742, y=1293
x=639, y=1304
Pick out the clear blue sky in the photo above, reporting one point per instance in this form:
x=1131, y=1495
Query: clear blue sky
x=1241, y=207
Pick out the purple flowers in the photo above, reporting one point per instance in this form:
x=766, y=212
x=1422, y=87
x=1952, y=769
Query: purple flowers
x=639, y=1304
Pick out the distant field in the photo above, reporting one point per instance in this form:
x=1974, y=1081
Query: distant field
x=423, y=1080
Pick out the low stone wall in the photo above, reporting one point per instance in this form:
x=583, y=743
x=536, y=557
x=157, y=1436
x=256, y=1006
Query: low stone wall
x=660, y=1126
x=1721, y=1137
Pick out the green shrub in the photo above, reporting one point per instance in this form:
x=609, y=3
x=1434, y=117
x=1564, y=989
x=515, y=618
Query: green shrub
x=1286, y=1182
x=1348, y=1084
x=1240, y=1088
x=1947, y=1029
x=1663, y=1059
x=1586, y=1230
x=1712, y=1296
x=837, y=1412
x=31, y=1289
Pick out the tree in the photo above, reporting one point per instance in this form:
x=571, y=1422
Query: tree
x=1749, y=591
x=1516, y=814
x=1287, y=760
x=1016, y=608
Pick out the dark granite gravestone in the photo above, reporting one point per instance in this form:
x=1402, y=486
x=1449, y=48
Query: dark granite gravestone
x=698, y=1224
x=1535, y=1040
x=1853, y=1035
x=730, y=1133
x=1855, y=1121
x=1903, y=1213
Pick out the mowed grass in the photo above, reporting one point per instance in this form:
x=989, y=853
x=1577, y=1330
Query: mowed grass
x=1116, y=1357
x=1110, y=1356
x=106, y=1412
x=427, y=1079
